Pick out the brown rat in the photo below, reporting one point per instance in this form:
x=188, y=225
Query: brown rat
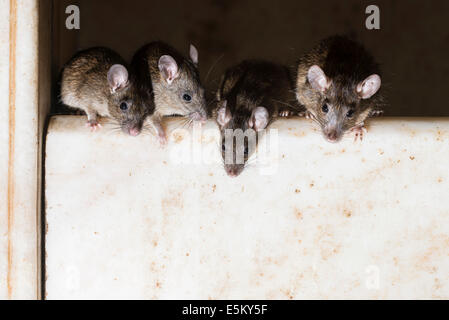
x=96, y=81
x=338, y=82
x=251, y=95
x=168, y=83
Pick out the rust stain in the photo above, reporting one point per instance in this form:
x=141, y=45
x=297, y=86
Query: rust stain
x=12, y=119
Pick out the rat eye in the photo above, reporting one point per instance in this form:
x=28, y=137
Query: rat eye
x=350, y=113
x=187, y=97
x=325, y=108
x=123, y=106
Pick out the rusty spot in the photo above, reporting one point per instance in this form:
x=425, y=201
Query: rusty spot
x=412, y=158
x=155, y=243
x=178, y=137
x=440, y=180
x=298, y=214
x=347, y=213
x=297, y=191
x=312, y=184
x=214, y=187
x=12, y=123
x=187, y=254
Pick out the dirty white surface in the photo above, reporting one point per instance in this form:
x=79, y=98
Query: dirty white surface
x=19, y=153
x=350, y=220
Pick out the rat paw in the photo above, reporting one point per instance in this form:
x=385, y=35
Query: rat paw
x=306, y=114
x=93, y=125
x=285, y=113
x=376, y=113
x=162, y=138
x=359, y=131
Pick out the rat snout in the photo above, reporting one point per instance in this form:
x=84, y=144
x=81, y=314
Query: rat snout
x=132, y=129
x=134, y=132
x=234, y=170
x=199, y=115
x=332, y=134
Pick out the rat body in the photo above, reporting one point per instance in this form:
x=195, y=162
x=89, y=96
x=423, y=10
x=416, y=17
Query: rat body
x=168, y=84
x=96, y=81
x=338, y=83
x=251, y=95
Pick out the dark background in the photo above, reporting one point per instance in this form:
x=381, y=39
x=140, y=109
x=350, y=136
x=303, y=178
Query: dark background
x=412, y=45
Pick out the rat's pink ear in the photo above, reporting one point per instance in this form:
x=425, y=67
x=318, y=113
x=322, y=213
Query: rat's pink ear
x=117, y=77
x=223, y=114
x=259, y=119
x=193, y=54
x=318, y=79
x=368, y=87
x=168, y=68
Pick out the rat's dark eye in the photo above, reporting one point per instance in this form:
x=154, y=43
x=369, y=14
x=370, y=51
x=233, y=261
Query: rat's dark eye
x=350, y=113
x=123, y=106
x=187, y=97
x=325, y=108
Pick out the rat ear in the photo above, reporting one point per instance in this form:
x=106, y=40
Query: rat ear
x=117, y=77
x=369, y=86
x=193, y=54
x=259, y=119
x=223, y=115
x=168, y=68
x=318, y=79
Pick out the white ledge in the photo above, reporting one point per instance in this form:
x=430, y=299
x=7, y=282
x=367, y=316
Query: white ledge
x=349, y=220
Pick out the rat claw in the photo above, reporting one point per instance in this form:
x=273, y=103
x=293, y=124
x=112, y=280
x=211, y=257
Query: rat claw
x=93, y=125
x=162, y=138
x=285, y=113
x=306, y=114
x=376, y=113
x=359, y=132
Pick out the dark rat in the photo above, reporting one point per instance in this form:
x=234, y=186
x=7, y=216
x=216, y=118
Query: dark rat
x=168, y=83
x=96, y=81
x=338, y=82
x=251, y=95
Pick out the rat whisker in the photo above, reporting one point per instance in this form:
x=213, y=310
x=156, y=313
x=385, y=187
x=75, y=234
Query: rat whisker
x=213, y=66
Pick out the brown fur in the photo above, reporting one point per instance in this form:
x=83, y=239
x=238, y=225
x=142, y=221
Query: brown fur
x=85, y=86
x=164, y=99
x=246, y=86
x=346, y=63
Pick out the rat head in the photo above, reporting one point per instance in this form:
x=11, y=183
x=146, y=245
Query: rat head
x=341, y=105
x=182, y=92
x=121, y=105
x=239, y=135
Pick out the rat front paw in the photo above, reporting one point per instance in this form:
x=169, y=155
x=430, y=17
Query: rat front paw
x=93, y=125
x=306, y=114
x=359, y=131
x=162, y=138
x=376, y=113
x=285, y=113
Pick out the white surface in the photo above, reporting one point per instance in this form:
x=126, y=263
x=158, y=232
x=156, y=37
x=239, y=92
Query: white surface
x=351, y=220
x=19, y=237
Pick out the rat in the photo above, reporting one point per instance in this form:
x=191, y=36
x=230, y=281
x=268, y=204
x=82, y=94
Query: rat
x=338, y=83
x=96, y=81
x=168, y=84
x=251, y=95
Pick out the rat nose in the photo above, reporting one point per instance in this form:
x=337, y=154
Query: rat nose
x=199, y=116
x=233, y=171
x=332, y=135
x=134, y=132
